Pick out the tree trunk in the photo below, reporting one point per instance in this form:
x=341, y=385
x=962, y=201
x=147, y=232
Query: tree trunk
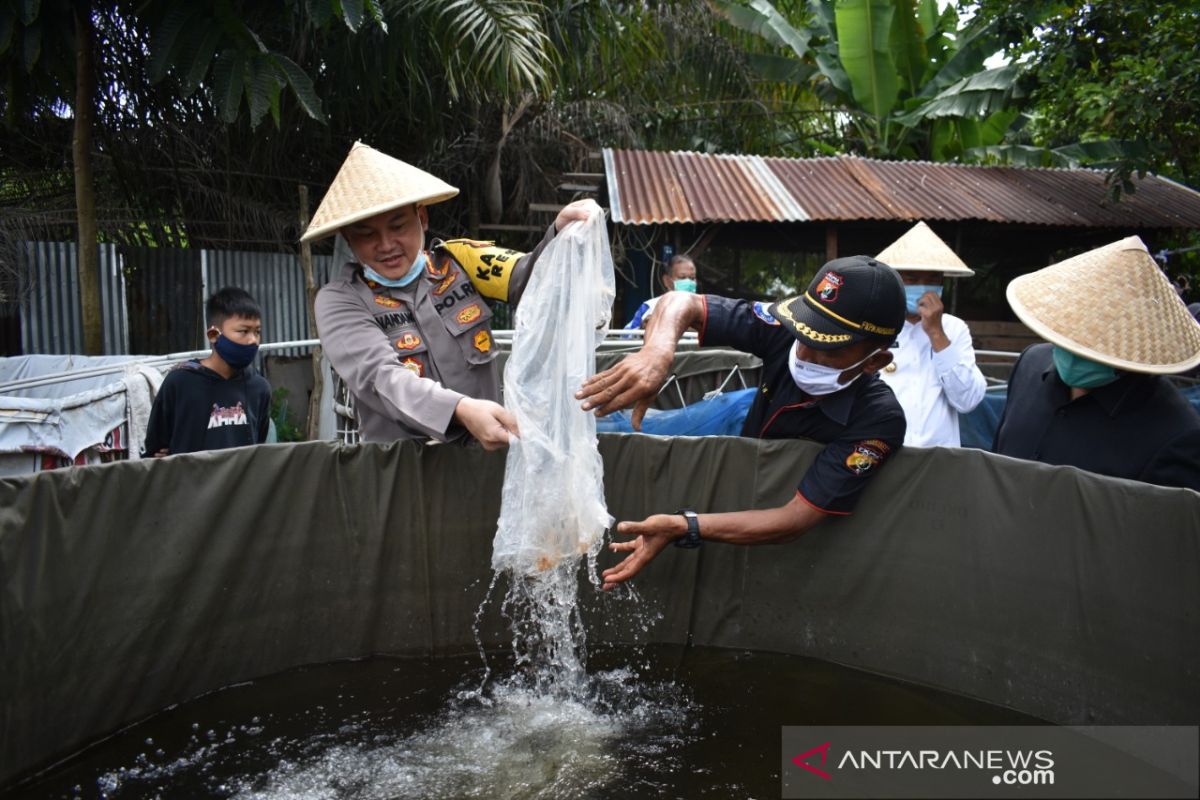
x=86, y=258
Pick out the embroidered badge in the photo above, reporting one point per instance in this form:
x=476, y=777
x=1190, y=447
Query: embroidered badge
x=760, y=311
x=415, y=366
x=438, y=265
x=827, y=289
x=468, y=314
x=386, y=302
x=866, y=456
x=408, y=341
x=483, y=342
x=443, y=285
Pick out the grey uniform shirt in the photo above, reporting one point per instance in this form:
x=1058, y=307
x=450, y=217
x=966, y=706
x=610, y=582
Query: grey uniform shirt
x=409, y=354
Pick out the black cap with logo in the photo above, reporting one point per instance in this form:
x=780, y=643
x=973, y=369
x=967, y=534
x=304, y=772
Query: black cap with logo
x=849, y=300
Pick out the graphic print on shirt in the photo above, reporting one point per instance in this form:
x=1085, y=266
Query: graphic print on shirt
x=220, y=417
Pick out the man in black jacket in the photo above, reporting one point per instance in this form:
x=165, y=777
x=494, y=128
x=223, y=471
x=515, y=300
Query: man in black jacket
x=1095, y=397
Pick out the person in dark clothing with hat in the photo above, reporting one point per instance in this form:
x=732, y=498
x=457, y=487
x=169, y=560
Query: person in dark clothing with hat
x=821, y=353
x=1095, y=395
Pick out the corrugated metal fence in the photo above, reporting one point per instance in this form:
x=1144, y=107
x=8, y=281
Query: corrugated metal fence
x=51, y=321
x=153, y=298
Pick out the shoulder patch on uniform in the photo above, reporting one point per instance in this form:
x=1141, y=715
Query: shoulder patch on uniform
x=867, y=455
x=483, y=341
x=439, y=264
x=468, y=314
x=760, y=311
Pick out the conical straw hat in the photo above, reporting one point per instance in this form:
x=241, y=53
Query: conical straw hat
x=369, y=183
x=921, y=250
x=1112, y=305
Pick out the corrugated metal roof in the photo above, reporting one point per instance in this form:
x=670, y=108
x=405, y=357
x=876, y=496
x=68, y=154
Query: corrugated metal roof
x=647, y=188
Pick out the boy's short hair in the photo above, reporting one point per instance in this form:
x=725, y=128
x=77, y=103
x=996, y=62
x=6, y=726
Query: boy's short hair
x=231, y=302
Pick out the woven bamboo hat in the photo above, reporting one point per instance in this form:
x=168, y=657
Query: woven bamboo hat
x=922, y=250
x=1112, y=305
x=369, y=183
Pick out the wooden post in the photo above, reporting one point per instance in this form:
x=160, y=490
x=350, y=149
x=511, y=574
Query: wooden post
x=87, y=258
x=954, y=283
x=310, y=287
x=831, y=242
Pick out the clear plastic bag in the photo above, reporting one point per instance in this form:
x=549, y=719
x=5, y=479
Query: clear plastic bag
x=552, y=506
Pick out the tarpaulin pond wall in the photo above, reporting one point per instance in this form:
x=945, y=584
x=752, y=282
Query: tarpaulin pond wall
x=129, y=587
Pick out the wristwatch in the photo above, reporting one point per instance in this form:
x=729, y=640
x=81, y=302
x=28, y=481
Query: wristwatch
x=691, y=539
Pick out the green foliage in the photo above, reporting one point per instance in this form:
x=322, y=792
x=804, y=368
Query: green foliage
x=1113, y=84
x=865, y=49
x=216, y=43
x=286, y=427
x=909, y=82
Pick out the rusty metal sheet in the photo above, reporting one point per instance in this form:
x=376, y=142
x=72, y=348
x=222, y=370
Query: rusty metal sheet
x=649, y=187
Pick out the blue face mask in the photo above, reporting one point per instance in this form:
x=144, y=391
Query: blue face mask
x=1082, y=373
x=396, y=283
x=913, y=293
x=685, y=285
x=238, y=356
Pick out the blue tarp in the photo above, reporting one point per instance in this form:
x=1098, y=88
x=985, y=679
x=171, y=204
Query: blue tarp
x=978, y=428
x=723, y=416
x=719, y=416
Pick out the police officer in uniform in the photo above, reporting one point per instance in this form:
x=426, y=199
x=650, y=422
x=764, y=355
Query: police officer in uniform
x=821, y=354
x=408, y=328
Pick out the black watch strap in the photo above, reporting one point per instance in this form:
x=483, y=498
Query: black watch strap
x=691, y=539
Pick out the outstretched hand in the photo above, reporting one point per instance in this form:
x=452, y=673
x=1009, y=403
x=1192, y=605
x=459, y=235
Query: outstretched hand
x=579, y=211
x=652, y=535
x=633, y=381
x=491, y=423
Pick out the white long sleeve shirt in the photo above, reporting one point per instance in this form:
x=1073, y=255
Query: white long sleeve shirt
x=934, y=388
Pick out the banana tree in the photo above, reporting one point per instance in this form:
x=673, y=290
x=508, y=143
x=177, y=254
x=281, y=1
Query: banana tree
x=908, y=81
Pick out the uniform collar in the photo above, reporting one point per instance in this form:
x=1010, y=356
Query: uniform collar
x=837, y=406
x=1125, y=393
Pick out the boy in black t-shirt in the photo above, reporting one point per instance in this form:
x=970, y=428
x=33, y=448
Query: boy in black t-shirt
x=218, y=401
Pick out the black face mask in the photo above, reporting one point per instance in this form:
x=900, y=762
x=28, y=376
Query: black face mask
x=238, y=356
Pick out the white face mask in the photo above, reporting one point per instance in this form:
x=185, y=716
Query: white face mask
x=818, y=380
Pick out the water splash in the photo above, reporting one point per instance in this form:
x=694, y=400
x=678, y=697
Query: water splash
x=516, y=743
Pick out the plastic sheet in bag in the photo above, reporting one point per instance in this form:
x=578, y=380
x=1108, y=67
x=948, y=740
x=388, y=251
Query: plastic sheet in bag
x=552, y=505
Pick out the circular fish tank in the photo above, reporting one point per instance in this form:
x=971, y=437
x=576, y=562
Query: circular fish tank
x=321, y=621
